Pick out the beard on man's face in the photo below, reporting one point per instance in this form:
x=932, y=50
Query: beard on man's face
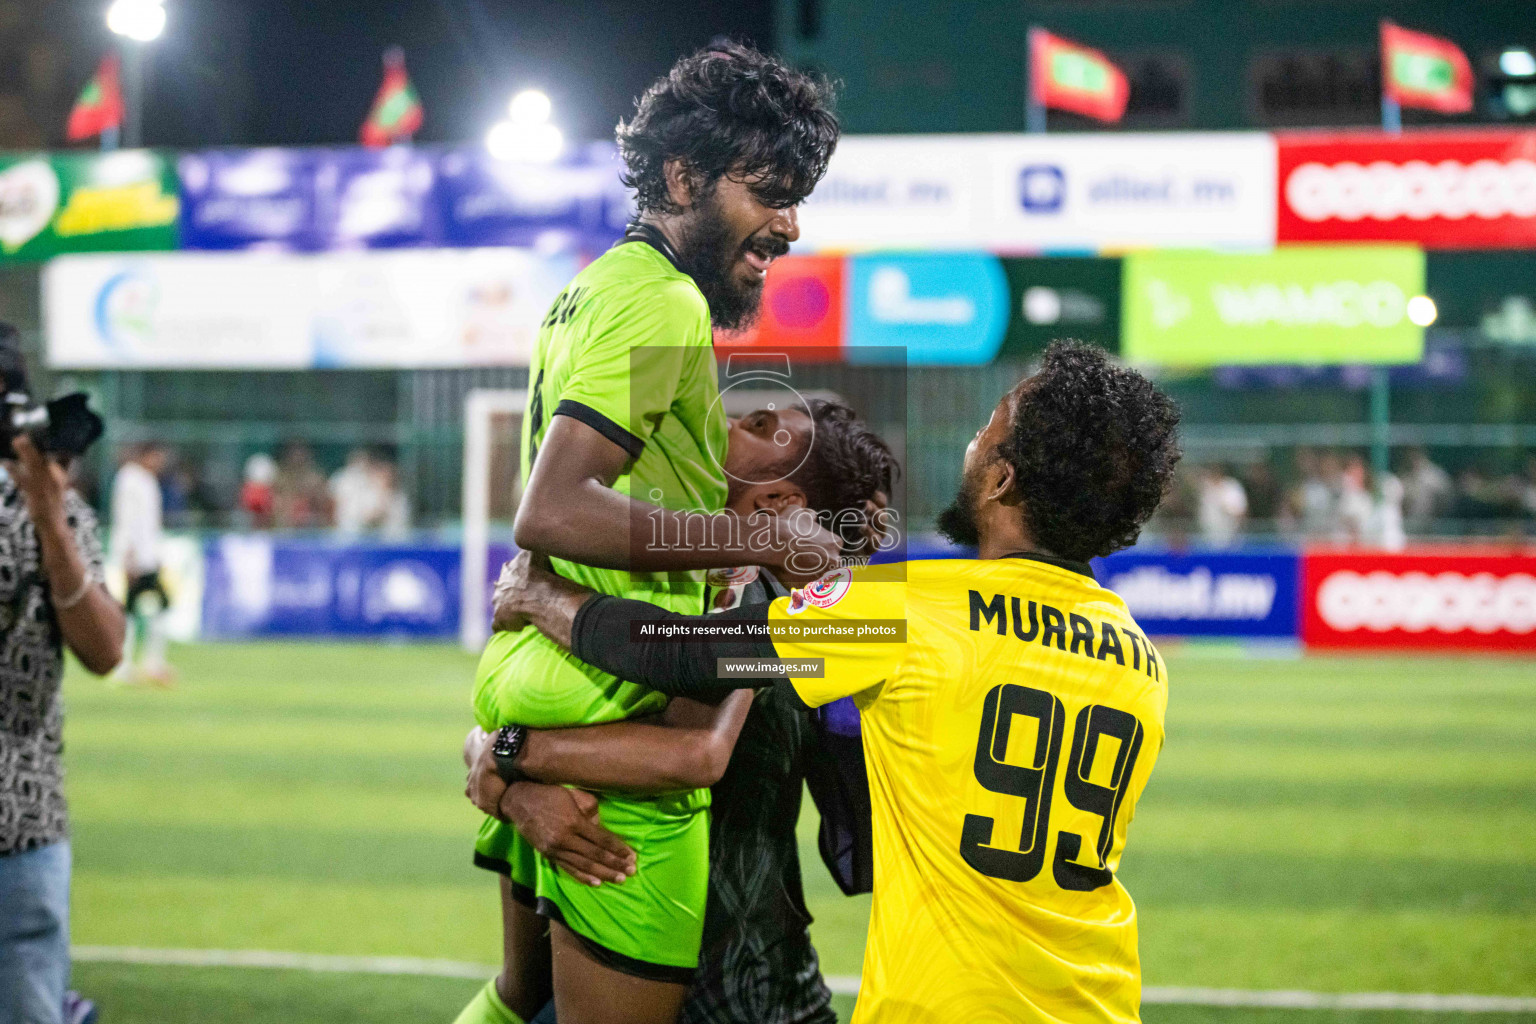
x=709, y=256
x=957, y=523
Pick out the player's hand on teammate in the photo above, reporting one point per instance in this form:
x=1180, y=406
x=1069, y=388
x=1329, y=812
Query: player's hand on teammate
x=802, y=548
x=528, y=592
x=506, y=600
x=560, y=823
x=563, y=825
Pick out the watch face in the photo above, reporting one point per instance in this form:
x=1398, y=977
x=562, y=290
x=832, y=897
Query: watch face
x=507, y=743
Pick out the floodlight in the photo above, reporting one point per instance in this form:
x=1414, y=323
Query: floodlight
x=524, y=143
x=139, y=20
x=1517, y=63
x=1422, y=311
x=530, y=106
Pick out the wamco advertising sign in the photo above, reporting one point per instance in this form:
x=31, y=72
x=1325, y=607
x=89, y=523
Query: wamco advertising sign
x=1311, y=305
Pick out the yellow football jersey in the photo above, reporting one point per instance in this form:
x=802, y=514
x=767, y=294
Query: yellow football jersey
x=1007, y=741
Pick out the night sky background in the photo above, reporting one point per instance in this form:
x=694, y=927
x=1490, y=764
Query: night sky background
x=303, y=72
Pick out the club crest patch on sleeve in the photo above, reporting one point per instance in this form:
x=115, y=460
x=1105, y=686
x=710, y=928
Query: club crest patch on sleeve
x=824, y=593
x=737, y=577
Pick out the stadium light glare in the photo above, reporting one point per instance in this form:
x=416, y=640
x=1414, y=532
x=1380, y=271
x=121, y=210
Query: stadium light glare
x=1422, y=311
x=524, y=143
x=531, y=106
x=139, y=20
x=1518, y=63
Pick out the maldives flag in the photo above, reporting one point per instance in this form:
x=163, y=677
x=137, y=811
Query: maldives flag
x=1071, y=77
x=396, y=113
x=1419, y=70
x=100, y=105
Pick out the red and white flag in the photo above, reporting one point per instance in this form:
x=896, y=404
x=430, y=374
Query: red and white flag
x=1066, y=76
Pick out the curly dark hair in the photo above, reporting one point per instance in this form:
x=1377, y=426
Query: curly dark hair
x=729, y=109
x=847, y=475
x=1093, y=447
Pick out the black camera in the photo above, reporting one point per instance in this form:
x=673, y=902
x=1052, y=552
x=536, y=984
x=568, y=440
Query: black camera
x=65, y=426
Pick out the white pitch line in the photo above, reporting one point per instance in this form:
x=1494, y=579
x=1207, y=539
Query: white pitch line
x=840, y=984
x=1297, y=1000
x=287, y=961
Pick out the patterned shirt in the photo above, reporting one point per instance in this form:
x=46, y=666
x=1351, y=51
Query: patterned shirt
x=32, y=811
x=757, y=964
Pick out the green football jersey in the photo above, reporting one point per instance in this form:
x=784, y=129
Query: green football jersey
x=627, y=350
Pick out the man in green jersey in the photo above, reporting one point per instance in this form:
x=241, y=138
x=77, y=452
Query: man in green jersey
x=623, y=444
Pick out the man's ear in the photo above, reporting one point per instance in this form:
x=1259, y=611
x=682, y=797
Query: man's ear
x=680, y=182
x=779, y=497
x=999, y=483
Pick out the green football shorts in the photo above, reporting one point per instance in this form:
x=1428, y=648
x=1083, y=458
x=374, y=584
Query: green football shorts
x=650, y=926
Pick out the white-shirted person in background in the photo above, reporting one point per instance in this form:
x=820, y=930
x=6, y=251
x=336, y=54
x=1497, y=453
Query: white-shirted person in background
x=136, y=535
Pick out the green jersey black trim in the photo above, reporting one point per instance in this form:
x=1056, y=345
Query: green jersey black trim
x=603, y=425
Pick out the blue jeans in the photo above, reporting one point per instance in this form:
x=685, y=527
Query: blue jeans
x=34, y=935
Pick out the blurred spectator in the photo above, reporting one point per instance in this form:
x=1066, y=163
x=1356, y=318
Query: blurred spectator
x=357, y=494
x=1223, y=506
x=396, y=519
x=175, y=490
x=1325, y=492
x=366, y=497
x=137, y=518
x=1528, y=487
x=1386, y=529
x=1356, y=508
x=1263, y=493
x=1311, y=503
x=1478, y=497
x=1427, y=491
x=256, y=492
x=299, y=497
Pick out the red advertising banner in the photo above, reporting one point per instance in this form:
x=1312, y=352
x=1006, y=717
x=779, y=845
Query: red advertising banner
x=1440, y=599
x=1440, y=189
x=802, y=309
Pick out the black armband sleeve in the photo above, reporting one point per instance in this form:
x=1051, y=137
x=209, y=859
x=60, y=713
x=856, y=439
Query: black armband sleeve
x=603, y=635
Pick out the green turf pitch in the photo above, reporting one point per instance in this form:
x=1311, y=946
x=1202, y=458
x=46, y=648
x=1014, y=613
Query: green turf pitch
x=1327, y=824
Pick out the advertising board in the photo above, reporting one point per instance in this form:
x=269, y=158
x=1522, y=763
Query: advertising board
x=1429, y=599
x=52, y=203
x=1438, y=189
x=316, y=199
x=1044, y=193
x=1308, y=304
x=405, y=308
x=942, y=308
x=1125, y=191
x=1248, y=593
x=261, y=586
x=802, y=309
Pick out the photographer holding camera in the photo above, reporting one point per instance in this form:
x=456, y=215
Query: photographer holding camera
x=51, y=595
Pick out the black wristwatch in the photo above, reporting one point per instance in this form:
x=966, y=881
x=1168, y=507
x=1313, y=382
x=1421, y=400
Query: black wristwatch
x=505, y=746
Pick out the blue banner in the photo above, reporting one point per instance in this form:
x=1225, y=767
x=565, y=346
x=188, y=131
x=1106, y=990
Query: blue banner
x=1250, y=592
x=315, y=200
x=1212, y=593
x=262, y=586
x=578, y=204
x=377, y=198
x=242, y=198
